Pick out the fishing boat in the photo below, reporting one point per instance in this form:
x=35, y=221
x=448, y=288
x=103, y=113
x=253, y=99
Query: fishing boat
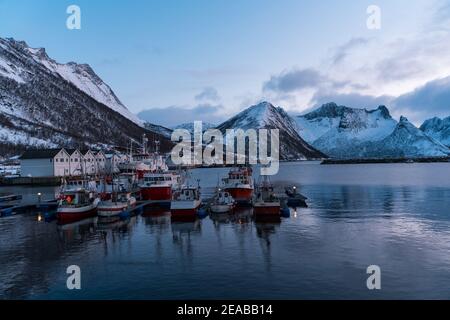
x=222, y=202
x=266, y=202
x=120, y=201
x=143, y=162
x=158, y=187
x=239, y=184
x=75, y=205
x=158, y=184
x=185, y=202
x=295, y=199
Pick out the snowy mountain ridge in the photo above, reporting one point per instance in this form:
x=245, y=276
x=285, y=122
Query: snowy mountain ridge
x=439, y=129
x=343, y=132
x=80, y=75
x=407, y=141
x=266, y=116
x=46, y=104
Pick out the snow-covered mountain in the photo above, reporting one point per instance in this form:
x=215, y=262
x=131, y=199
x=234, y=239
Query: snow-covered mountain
x=343, y=132
x=406, y=141
x=190, y=126
x=266, y=116
x=44, y=103
x=340, y=131
x=166, y=132
x=439, y=129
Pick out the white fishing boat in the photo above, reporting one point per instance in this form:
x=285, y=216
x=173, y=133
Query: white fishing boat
x=222, y=202
x=119, y=202
x=185, y=202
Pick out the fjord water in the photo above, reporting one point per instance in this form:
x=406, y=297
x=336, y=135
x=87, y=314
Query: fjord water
x=396, y=216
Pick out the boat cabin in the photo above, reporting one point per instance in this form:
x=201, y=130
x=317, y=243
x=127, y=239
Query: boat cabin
x=75, y=198
x=188, y=194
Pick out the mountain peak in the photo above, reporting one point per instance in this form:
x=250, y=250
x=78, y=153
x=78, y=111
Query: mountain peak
x=404, y=119
x=265, y=104
x=409, y=141
x=266, y=116
x=24, y=58
x=384, y=112
x=17, y=43
x=262, y=107
x=438, y=128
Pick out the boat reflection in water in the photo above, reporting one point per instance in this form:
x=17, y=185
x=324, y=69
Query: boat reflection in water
x=154, y=211
x=77, y=231
x=240, y=216
x=182, y=228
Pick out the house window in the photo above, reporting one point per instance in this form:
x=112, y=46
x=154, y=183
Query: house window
x=51, y=160
x=76, y=160
x=56, y=159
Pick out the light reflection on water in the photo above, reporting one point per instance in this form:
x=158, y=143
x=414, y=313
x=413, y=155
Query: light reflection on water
x=394, y=216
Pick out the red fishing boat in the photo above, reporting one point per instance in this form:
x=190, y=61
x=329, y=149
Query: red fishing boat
x=266, y=202
x=75, y=205
x=158, y=187
x=239, y=184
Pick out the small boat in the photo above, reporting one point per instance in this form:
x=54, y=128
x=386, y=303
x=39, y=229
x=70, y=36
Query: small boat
x=239, y=184
x=222, y=202
x=185, y=202
x=75, y=205
x=266, y=202
x=295, y=199
x=119, y=202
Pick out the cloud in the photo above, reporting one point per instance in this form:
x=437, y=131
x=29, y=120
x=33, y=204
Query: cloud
x=300, y=79
x=344, y=50
x=208, y=94
x=432, y=99
x=441, y=17
x=176, y=115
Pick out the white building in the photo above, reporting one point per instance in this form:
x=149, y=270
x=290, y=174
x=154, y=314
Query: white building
x=89, y=163
x=76, y=160
x=45, y=163
x=100, y=159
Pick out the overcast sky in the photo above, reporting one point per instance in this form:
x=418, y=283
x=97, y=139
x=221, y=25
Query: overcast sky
x=207, y=59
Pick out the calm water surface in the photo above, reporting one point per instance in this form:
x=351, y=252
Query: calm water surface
x=396, y=216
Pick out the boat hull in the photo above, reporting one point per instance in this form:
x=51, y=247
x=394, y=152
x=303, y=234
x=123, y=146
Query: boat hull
x=69, y=215
x=241, y=195
x=267, y=209
x=184, y=208
x=112, y=209
x=159, y=195
x=221, y=208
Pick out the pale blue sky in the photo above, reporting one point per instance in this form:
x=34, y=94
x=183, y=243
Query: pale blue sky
x=158, y=54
